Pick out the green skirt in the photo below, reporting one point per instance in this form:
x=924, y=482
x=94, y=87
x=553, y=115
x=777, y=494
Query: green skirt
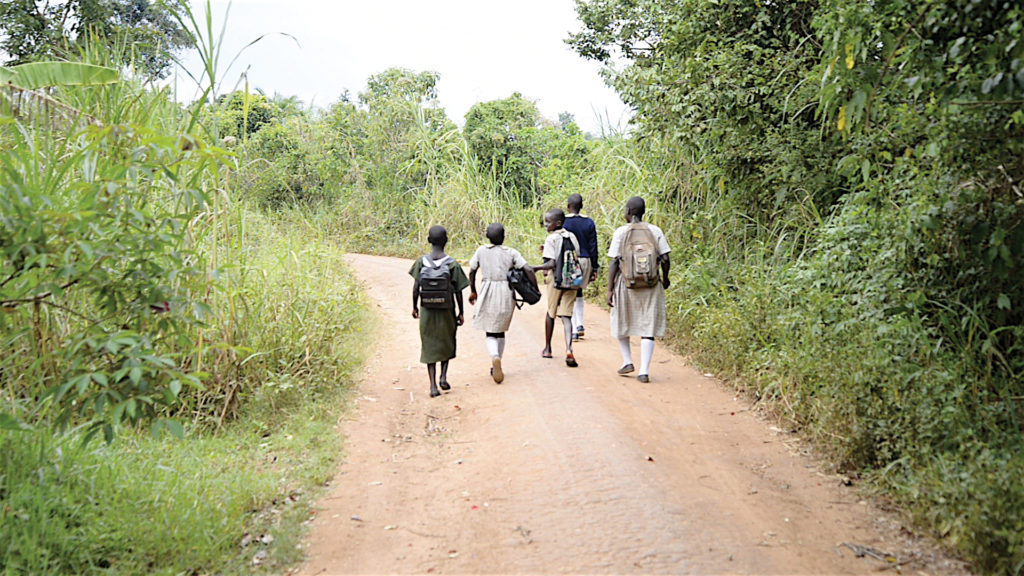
x=437, y=335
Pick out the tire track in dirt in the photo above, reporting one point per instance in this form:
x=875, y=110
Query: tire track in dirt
x=562, y=470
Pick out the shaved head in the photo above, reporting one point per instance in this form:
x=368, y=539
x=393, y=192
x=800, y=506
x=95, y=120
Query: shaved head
x=555, y=215
x=496, y=234
x=636, y=206
x=575, y=203
x=437, y=236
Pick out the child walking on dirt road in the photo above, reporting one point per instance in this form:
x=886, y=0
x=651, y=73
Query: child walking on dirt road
x=636, y=294
x=586, y=233
x=560, y=299
x=438, y=282
x=496, y=300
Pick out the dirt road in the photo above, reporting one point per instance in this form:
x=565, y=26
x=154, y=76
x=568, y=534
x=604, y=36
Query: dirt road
x=574, y=470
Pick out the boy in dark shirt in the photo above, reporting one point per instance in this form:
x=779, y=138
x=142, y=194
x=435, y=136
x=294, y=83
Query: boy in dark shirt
x=586, y=233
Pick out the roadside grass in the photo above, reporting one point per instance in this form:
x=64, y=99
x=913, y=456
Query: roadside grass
x=147, y=505
x=162, y=506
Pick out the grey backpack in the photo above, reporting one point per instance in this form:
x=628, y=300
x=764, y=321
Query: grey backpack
x=639, y=257
x=436, y=284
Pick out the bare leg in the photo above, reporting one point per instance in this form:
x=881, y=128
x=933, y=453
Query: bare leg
x=567, y=326
x=549, y=329
x=570, y=360
x=444, y=376
x=432, y=373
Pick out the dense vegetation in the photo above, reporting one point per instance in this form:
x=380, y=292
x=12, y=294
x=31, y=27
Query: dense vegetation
x=841, y=182
x=138, y=296
x=852, y=181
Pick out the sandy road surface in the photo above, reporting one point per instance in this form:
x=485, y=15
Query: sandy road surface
x=562, y=470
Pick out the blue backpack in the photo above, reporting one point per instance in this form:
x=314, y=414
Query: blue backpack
x=568, y=272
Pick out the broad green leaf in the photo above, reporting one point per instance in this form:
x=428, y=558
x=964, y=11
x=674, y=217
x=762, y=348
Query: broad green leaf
x=1003, y=302
x=175, y=428
x=35, y=75
x=8, y=422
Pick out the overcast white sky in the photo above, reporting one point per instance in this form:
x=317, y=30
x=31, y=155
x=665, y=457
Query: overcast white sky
x=483, y=49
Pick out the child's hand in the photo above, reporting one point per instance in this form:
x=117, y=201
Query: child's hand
x=472, y=298
x=415, y=312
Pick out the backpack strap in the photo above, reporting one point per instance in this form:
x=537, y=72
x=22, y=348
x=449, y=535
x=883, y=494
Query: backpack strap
x=428, y=261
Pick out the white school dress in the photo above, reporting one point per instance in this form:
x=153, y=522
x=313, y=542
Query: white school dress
x=638, y=311
x=495, y=302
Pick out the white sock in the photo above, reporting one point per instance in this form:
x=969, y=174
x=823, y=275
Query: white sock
x=501, y=347
x=646, y=353
x=567, y=324
x=492, y=347
x=577, y=313
x=627, y=356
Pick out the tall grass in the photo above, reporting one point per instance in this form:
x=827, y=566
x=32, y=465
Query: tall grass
x=181, y=305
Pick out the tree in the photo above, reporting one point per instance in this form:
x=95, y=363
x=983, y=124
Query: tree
x=144, y=32
x=502, y=135
x=241, y=115
x=398, y=122
x=725, y=83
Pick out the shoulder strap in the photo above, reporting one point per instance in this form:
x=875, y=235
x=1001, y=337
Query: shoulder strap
x=428, y=261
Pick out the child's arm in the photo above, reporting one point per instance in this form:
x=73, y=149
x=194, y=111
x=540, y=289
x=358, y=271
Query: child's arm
x=531, y=275
x=472, y=287
x=415, y=297
x=594, y=254
x=613, y=273
x=665, y=265
x=549, y=264
x=458, y=300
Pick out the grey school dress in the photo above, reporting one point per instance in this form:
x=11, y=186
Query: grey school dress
x=495, y=303
x=640, y=311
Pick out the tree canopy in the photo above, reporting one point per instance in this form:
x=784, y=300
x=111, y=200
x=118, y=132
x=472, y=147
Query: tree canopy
x=143, y=32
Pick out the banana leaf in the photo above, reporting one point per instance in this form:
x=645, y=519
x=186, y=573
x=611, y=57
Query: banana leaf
x=35, y=75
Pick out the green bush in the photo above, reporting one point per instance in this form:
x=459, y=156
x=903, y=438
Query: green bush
x=851, y=235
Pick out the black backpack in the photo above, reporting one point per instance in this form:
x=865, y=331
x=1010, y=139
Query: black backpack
x=522, y=289
x=568, y=272
x=436, y=284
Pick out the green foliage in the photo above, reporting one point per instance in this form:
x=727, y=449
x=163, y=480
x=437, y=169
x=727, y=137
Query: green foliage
x=526, y=155
x=37, y=75
x=241, y=114
x=138, y=296
x=97, y=265
x=162, y=506
x=400, y=119
x=848, y=182
x=725, y=83
x=30, y=32
x=285, y=314
x=502, y=135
